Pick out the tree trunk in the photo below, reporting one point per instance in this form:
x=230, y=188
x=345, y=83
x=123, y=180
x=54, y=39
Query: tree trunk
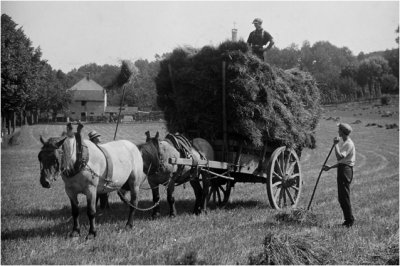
x=21, y=115
x=15, y=122
x=9, y=125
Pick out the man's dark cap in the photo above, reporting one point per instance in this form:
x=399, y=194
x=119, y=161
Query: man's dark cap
x=257, y=20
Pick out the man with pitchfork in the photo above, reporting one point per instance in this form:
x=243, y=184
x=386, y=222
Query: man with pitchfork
x=346, y=156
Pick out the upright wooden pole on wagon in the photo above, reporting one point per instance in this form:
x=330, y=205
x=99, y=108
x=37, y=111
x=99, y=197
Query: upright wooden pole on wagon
x=120, y=108
x=224, y=122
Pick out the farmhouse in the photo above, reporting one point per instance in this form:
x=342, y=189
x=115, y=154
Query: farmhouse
x=89, y=100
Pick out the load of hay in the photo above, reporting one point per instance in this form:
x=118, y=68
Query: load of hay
x=264, y=104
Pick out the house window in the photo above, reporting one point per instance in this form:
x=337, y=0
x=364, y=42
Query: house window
x=83, y=103
x=91, y=113
x=73, y=113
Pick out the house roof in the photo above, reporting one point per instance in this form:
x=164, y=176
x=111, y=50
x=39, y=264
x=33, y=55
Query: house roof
x=87, y=90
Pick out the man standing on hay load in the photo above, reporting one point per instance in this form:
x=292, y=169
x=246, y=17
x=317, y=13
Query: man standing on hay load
x=346, y=157
x=258, y=38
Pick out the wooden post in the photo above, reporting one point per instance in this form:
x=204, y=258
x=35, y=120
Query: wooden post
x=224, y=125
x=120, y=107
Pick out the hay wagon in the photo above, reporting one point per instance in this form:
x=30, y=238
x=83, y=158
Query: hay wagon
x=279, y=169
x=235, y=161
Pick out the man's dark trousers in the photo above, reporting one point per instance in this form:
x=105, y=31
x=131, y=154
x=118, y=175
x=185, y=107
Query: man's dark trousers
x=344, y=178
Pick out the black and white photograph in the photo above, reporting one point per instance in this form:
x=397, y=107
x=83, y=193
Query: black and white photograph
x=199, y=132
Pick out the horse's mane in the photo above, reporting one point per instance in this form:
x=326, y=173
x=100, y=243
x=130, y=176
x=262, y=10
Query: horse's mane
x=150, y=155
x=66, y=161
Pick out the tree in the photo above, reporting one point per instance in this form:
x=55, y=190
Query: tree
x=19, y=69
x=370, y=73
x=389, y=84
x=286, y=58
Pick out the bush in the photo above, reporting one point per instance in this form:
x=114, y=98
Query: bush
x=385, y=100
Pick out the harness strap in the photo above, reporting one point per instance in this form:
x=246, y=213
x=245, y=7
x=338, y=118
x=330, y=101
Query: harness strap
x=181, y=143
x=109, y=164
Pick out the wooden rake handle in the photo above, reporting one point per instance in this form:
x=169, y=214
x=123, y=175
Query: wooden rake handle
x=319, y=176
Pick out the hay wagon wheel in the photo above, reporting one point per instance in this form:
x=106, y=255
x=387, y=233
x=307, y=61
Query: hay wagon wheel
x=220, y=190
x=284, y=179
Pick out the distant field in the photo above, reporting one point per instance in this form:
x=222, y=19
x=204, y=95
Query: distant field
x=35, y=221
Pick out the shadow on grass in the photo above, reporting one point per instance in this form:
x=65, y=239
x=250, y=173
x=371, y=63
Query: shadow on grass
x=116, y=214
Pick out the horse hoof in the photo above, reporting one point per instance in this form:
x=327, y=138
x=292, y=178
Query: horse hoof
x=128, y=226
x=155, y=215
x=74, y=234
x=91, y=236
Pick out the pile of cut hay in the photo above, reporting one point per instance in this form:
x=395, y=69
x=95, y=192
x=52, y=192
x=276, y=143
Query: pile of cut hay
x=285, y=249
x=263, y=103
x=300, y=216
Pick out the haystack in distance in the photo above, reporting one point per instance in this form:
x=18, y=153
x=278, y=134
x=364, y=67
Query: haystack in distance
x=264, y=104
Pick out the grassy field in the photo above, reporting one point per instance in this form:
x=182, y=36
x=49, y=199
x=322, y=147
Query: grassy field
x=35, y=221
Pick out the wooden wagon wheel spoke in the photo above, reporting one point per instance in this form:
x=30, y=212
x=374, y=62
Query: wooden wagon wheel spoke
x=219, y=196
x=220, y=190
x=276, y=184
x=287, y=162
x=277, y=194
x=280, y=169
x=277, y=175
x=290, y=196
x=295, y=175
x=284, y=198
x=290, y=169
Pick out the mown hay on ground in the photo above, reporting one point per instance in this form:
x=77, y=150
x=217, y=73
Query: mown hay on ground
x=300, y=216
x=263, y=103
x=285, y=249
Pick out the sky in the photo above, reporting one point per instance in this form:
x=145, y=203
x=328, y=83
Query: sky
x=75, y=33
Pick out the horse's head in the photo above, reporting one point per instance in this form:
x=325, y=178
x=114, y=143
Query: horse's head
x=164, y=150
x=50, y=160
x=150, y=154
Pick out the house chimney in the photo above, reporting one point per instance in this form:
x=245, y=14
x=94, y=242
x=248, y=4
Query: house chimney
x=234, y=33
x=88, y=75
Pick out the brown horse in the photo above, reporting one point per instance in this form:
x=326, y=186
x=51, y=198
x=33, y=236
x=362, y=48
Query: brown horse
x=57, y=157
x=156, y=154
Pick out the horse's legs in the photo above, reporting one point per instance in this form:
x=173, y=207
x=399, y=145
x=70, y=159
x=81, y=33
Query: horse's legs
x=198, y=193
x=134, y=201
x=91, y=211
x=156, y=198
x=103, y=198
x=170, y=197
x=76, y=231
x=206, y=187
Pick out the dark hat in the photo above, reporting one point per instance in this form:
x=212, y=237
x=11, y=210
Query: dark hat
x=345, y=128
x=93, y=134
x=257, y=20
